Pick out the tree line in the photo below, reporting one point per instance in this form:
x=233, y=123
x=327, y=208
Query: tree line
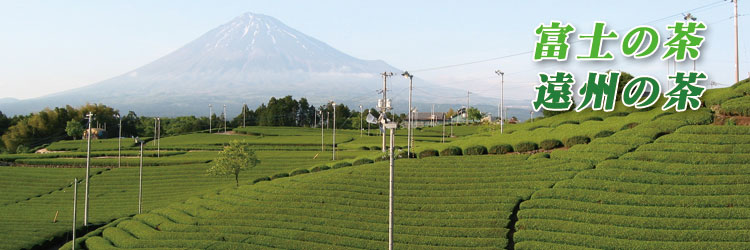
x=25, y=133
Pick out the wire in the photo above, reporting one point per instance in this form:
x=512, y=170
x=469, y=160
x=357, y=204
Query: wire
x=701, y=8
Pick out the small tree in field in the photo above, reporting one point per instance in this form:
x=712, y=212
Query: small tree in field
x=233, y=159
x=74, y=128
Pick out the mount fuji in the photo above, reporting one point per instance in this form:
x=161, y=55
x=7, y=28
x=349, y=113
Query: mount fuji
x=247, y=60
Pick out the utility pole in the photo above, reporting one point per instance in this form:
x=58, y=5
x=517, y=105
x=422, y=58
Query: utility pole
x=225, y=118
x=75, y=206
x=384, y=104
x=736, y=45
x=88, y=165
x=334, y=130
x=368, y=124
x=690, y=17
x=502, y=95
x=140, y=177
x=411, y=117
x=468, y=93
x=360, y=120
x=443, y=127
x=210, y=116
x=119, y=142
x=432, y=117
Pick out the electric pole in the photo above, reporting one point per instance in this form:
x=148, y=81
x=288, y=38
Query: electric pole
x=411, y=117
x=736, y=45
x=88, y=165
x=502, y=95
x=334, y=130
x=467, y=106
x=384, y=105
x=360, y=120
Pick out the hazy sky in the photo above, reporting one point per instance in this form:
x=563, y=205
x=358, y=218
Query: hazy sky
x=50, y=46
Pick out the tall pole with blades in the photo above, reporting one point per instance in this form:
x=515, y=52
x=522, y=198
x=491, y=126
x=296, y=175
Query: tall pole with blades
x=411, y=117
x=119, y=142
x=210, y=117
x=736, y=45
x=502, y=95
x=384, y=104
x=334, y=130
x=88, y=166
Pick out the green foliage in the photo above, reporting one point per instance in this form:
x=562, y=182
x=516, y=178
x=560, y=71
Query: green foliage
x=428, y=153
x=341, y=164
x=319, y=168
x=74, y=129
x=362, y=161
x=738, y=106
x=500, y=149
x=629, y=126
x=451, y=151
x=299, y=172
x=550, y=144
x=474, y=114
x=475, y=150
x=539, y=156
x=233, y=159
x=279, y=175
x=525, y=147
x=575, y=140
x=402, y=154
x=718, y=96
x=604, y=133
x=259, y=179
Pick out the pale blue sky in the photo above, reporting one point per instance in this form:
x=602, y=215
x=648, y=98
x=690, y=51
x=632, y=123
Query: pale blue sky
x=49, y=46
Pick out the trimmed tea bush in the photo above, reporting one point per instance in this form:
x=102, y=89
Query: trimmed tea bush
x=603, y=133
x=629, y=126
x=362, y=161
x=364, y=148
x=261, y=179
x=475, y=150
x=451, y=151
x=539, y=156
x=428, y=153
x=575, y=140
x=550, y=144
x=319, y=168
x=376, y=148
x=279, y=175
x=500, y=149
x=402, y=154
x=526, y=146
x=299, y=172
x=341, y=165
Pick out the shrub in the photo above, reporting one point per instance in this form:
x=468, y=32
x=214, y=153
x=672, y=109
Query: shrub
x=737, y=106
x=364, y=148
x=279, y=175
x=539, y=156
x=341, y=164
x=362, y=161
x=451, y=151
x=475, y=150
x=603, y=133
x=568, y=122
x=299, y=172
x=319, y=168
x=550, y=144
x=500, y=149
x=593, y=118
x=403, y=154
x=377, y=148
x=428, y=153
x=261, y=179
x=575, y=140
x=629, y=126
x=526, y=146
x=382, y=157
